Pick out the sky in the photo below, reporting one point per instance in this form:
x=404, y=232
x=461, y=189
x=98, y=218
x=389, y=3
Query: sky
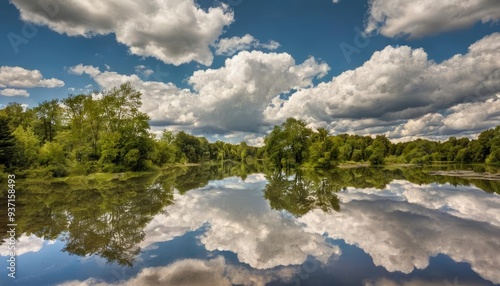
x=230, y=70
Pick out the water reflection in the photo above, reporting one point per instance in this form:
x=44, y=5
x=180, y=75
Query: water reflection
x=251, y=226
x=402, y=236
x=240, y=221
x=299, y=193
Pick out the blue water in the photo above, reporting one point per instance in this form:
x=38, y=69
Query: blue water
x=228, y=233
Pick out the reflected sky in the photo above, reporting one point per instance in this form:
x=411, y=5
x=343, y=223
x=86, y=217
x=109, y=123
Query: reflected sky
x=227, y=233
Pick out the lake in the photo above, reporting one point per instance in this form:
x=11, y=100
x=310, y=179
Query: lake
x=247, y=225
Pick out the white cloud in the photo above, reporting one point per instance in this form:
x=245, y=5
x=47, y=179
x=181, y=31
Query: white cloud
x=399, y=92
x=23, y=78
x=234, y=96
x=148, y=28
x=416, y=19
x=162, y=101
x=271, y=45
x=143, y=70
x=231, y=98
x=397, y=84
x=14, y=92
x=230, y=46
x=470, y=118
x=474, y=116
x=81, y=69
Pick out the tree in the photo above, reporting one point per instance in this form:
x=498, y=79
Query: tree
x=26, y=148
x=275, y=146
x=297, y=137
x=18, y=115
x=52, y=153
x=7, y=142
x=49, y=116
x=125, y=128
x=288, y=144
x=323, y=151
x=189, y=146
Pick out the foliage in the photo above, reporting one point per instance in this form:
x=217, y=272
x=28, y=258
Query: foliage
x=7, y=142
x=108, y=132
x=287, y=145
x=105, y=132
x=318, y=149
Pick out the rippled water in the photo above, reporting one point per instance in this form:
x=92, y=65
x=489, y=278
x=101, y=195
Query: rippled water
x=206, y=226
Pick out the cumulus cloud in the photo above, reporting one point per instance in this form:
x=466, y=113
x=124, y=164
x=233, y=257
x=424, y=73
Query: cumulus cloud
x=234, y=96
x=23, y=78
x=81, y=69
x=398, y=92
x=162, y=101
x=468, y=118
x=149, y=28
x=14, y=78
x=230, y=46
x=230, y=98
x=426, y=17
x=397, y=84
x=14, y=92
x=143, y=70
x=404, y=225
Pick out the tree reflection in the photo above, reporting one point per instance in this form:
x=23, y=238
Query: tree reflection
x=114, y=228
x=301, y=192
x=304, y=190
x=106, y=217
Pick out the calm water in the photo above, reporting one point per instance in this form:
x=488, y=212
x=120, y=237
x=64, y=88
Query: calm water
x=241, y=225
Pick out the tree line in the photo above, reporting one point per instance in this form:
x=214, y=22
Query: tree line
x=107, y=132
x=293, y=144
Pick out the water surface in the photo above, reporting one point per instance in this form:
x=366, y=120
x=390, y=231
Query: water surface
x=244, y=225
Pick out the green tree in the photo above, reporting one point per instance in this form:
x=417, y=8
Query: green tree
x=26, y=148
x=7, y=142
x=49, y=119
x=288, y=144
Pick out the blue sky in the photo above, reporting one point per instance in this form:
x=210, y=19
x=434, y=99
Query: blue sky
x=229, y=70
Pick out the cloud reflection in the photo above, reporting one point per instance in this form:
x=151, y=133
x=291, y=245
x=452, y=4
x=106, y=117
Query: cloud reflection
x=404, y=225
x=241, y=221
x=195, y=272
